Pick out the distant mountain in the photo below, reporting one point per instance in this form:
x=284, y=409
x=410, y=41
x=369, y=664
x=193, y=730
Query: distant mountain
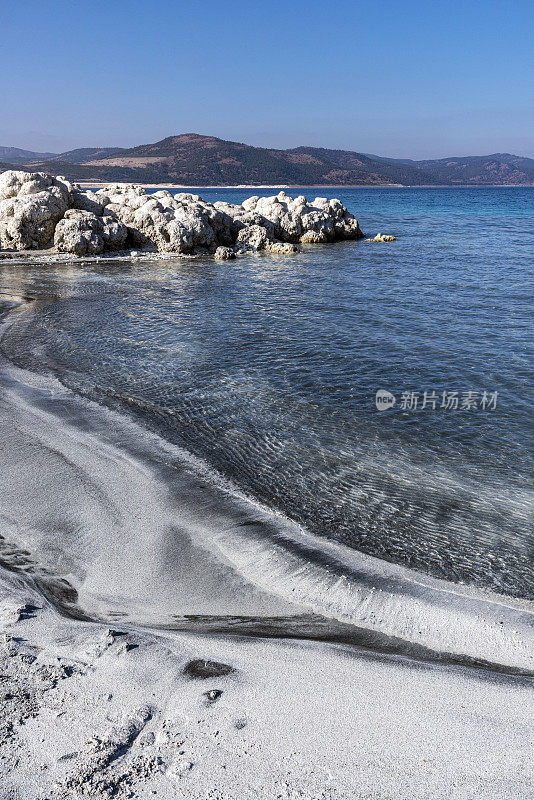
x=499, y=168
x=14, y=155
x=349, y=167
x=194, y=160
x=83, y=154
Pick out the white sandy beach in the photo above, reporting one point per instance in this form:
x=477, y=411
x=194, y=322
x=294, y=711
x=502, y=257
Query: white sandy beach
x=89, y=711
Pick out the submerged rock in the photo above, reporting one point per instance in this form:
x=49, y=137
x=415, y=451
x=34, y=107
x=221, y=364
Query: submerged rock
x=38, y=210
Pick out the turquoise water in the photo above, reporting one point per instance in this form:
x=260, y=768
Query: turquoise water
x=267, y=368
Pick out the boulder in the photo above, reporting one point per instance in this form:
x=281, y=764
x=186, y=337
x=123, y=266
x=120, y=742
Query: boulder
x=79, y=232
x=296, y=220
x=253, y=237
x=281, y=248
x=83, y=233
x=315, y=237
x=114, y=233
x=31, y=204
x=182, y=223
x=87, y=201
x=224, y=253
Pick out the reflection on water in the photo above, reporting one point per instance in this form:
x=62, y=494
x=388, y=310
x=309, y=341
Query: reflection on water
x=267, y=367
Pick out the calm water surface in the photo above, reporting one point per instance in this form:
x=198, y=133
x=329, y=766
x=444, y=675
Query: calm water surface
x=267, y=368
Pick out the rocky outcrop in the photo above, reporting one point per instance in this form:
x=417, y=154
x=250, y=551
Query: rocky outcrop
x=253, y=237
x=38, y=211
x=281, y=248
x=181, y=223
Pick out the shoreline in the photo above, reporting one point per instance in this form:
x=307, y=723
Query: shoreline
x=98, y=710
x=103, y=184
x=257, y=569
x=362, y=598
x=110, y=708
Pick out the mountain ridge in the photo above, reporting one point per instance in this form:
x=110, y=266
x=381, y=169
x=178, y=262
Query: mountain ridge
x=193, y=159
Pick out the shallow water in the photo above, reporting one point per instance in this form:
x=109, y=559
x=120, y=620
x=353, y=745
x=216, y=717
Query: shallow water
x=267, y=368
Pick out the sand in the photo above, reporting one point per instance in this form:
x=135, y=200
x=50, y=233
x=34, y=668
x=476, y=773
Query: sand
x=93, y=711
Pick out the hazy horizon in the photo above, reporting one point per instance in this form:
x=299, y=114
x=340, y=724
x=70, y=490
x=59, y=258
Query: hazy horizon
x=402, y=81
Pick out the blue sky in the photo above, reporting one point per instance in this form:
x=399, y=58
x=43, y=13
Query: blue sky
x=416, y=78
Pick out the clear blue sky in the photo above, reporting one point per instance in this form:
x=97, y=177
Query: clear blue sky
x=413, y=78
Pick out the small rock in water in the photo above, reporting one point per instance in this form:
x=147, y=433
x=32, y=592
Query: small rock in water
x=383, y=237
x=224, y=254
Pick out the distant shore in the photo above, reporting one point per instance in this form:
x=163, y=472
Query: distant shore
x=101, y=185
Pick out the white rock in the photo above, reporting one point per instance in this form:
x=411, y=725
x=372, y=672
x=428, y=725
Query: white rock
x=87, y=201
x=83, y=233
x=253, y=237
x=79, y=232
x=297, y=220
x=281, y=248
x=382, y=237
x=31, y=203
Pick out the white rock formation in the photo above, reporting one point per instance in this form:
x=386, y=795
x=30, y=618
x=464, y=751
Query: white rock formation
x=38, y=210
x=296, y=220
x=253, y=237
x=31, y=204
x=281, y=248
x=182, y=223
